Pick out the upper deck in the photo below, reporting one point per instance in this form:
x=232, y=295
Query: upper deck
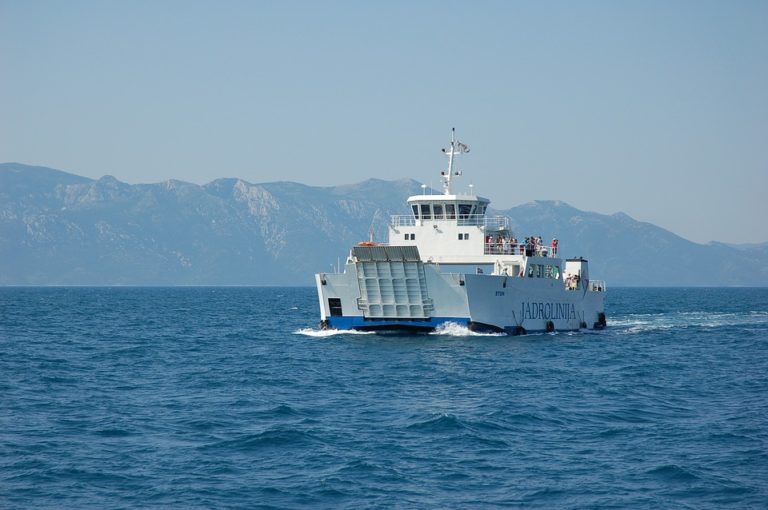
x=452, y=227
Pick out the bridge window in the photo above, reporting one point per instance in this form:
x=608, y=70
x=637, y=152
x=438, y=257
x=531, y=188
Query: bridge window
x=415, y=209
x=438, y=209
x=465, y=210
x=426, y=214
x=450, y=211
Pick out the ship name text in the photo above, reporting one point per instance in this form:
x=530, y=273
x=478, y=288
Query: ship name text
x=547, y=311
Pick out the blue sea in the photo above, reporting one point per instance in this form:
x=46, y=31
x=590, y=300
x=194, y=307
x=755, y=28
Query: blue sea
x=232, y=398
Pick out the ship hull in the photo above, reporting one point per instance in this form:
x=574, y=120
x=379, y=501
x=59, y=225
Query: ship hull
x=382, y=299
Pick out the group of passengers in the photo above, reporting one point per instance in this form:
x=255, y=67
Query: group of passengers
x=535, y=246
x=501, y=244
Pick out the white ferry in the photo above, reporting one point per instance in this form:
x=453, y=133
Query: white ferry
x=447, y=261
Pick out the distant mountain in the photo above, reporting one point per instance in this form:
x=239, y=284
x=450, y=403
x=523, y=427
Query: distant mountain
x=61, y=229
x=58, y=228
x=625, y=251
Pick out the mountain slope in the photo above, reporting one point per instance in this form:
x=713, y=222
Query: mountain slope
x=58, y=228
x=624, y=251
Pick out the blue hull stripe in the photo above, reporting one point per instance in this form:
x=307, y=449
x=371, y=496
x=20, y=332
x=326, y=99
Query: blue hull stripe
x=362, y=323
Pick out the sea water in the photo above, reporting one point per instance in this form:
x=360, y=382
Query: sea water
x=233, y=398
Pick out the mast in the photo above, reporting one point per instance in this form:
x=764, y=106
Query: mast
x=455, y=149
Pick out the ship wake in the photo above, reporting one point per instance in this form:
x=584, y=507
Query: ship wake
x=322, y=333
x=454, y=329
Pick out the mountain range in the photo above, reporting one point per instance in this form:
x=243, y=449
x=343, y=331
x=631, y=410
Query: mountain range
x=57, y=228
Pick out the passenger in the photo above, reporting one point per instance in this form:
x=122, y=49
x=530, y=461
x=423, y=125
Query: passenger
x=554, y=247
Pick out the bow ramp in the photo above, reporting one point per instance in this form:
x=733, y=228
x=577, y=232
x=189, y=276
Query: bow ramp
x=392, y=282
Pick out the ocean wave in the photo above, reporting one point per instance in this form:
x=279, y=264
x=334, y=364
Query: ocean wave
x=464, y=431
x=275, y=437
x=113, y=433
x=673, y=473
x=440, y=423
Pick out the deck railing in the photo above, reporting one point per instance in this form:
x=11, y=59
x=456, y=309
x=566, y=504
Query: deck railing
x=495, y=248
x=597, y=285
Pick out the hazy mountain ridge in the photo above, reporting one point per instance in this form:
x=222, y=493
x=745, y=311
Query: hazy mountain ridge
x=628, y=252
x=58, y=228
x=61, y=229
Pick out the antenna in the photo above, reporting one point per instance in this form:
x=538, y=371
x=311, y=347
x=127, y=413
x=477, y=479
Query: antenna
x=456, y=148
x=371, y=230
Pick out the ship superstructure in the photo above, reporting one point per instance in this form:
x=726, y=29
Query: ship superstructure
x=448, y=261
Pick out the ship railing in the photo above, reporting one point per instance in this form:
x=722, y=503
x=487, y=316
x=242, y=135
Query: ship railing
x=403, y=220
x=463, y=220
x=597, y=285
x=496, y=223
x=494, y=247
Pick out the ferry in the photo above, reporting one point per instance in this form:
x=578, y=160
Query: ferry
x=448, y=262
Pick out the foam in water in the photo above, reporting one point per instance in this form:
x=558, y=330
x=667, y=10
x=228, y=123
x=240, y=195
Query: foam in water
x=640, y=323
x=453, y=329
x=322, y=333
x=445, y=329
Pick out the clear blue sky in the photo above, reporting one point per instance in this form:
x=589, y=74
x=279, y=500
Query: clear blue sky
x=657, y=109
